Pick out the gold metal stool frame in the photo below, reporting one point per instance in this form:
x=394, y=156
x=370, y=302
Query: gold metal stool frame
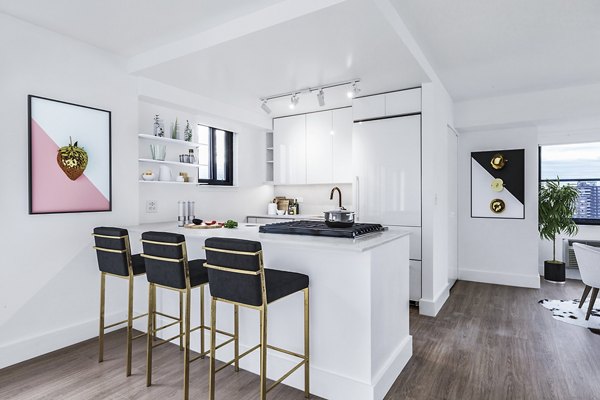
x=263, y=345
x=183, y=320
x=130, y=317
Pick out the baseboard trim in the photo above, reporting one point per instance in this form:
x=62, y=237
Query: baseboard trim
x=390, y=371
x=431, y=308
x=27, y=348
x=500, y=278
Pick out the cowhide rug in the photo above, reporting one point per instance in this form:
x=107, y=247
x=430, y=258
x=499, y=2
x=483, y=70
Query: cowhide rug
x=568, y=311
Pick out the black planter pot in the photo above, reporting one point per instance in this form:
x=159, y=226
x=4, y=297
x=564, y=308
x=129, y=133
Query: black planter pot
x=554, y=271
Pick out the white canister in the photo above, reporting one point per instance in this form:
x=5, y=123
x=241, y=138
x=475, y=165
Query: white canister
x=272, y=209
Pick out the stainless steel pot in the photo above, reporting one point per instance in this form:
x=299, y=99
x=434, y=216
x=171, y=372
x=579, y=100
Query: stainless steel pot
x=339, y=218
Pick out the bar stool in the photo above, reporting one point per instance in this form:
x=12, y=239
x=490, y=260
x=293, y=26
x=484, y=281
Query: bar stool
x=115, y=259
x=168, y=267
x=237, y=275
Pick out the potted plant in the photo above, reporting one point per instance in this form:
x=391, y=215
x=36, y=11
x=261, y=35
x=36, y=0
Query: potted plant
x=557, y=205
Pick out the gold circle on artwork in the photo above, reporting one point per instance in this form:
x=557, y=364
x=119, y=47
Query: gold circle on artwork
x=497, y=185
x=498, y=161
x=497, y=206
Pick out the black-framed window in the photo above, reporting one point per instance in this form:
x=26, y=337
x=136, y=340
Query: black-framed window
x=215, y=156
x=577, y=165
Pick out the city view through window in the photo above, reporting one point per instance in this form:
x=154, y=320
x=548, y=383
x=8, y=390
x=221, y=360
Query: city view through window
x=577, y=165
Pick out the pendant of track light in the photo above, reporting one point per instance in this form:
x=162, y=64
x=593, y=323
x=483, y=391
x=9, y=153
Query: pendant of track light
x=354, y=91
x=321, y=97
x=294, y=101
x=265, y=107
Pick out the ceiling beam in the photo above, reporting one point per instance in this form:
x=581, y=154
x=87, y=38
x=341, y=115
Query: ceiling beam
x=267, y=17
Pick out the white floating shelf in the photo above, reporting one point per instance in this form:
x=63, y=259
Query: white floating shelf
x=170, y=182
x=188, y=165
x=170, y=141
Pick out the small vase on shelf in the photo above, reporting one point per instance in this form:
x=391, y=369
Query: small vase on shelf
x=174, y=129
x=187, y=133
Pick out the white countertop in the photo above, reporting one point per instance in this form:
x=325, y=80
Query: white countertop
x=250, y=232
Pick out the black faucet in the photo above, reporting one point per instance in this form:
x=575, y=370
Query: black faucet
x=340, y=196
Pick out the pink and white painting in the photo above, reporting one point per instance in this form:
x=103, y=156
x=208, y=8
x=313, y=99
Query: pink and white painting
x=69, y=157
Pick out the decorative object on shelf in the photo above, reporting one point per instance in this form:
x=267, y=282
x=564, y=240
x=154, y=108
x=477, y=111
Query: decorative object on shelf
x=498, y=161
x=164, y=174
x=72, y=160
x=68, y=179
x=557, y=204
x=158, y=152
x=184, y=158
x=175, y=129
x=498, y=186
x=185, y=176
x=187, y=132
x=497, y=206
x=148, y=175
x=156, y=125
x=191, y=157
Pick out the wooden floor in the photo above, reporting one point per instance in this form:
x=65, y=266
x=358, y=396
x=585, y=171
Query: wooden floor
x=488, y=342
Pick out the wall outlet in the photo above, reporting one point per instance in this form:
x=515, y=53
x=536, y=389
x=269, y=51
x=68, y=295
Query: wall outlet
x=151, y=206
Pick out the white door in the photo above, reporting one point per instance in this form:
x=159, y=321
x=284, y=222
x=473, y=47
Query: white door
x=387, y=165
x=289, y=150
x=452, y=180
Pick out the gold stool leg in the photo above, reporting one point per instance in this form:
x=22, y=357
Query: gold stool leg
x=202, y=320
x=213, y=340
x=306, y=347
x=101, y=328
x=150, y=335
x=180, y=321
x=236, y=336
x=263, y=353
x=129, y=325
x=186, y=350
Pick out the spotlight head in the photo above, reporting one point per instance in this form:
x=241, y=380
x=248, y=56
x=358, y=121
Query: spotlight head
x=265, y=107
x=354, y=91
x=321, y=97
x=294, y=101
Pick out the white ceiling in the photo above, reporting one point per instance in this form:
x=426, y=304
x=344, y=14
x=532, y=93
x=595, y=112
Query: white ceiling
x=129, y=27
x=346, y=41
x=489, y=47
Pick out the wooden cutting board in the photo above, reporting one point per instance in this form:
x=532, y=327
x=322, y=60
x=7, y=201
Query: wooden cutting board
x=192, y=226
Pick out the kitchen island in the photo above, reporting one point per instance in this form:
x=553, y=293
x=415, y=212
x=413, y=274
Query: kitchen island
x=359, y=338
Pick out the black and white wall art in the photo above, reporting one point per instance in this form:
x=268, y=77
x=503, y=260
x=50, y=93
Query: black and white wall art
x=498, y=184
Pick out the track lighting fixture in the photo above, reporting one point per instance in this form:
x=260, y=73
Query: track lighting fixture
x=354, y=91
x=295, y=95
x=294, y=101
x=265, y=107
x=321, y=97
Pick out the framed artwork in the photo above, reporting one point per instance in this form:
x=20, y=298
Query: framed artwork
x=498, y=184
x=69, y=157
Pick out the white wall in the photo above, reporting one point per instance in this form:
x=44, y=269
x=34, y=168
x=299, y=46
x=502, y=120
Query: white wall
x=437, y=115
x=48, y=275
x=315, y=198
x=501, y=251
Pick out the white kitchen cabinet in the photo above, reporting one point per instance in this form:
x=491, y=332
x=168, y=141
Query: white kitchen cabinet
x=387, y=104
x=289, y=150
x=368, y=107
x=342, y=145
x=403, y=102
x=414, y=283
x=319, y=147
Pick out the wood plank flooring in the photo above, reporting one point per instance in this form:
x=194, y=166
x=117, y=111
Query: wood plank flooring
x=488, y=342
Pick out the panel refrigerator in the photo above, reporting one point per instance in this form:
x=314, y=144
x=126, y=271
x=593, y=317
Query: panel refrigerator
x=386, y=159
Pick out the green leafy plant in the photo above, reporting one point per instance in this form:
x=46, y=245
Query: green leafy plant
x=175, y=129
x=230, y=224
x=557, y=205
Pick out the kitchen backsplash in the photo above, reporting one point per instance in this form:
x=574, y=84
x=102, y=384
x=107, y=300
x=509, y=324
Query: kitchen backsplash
x=315, y=198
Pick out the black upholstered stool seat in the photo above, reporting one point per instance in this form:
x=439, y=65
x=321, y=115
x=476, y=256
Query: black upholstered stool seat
x=283, y=283
x=198, y=272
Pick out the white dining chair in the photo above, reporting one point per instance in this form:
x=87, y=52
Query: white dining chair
x=588, y=259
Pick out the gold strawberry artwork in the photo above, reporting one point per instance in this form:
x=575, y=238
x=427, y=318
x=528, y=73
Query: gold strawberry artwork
x=72, y=160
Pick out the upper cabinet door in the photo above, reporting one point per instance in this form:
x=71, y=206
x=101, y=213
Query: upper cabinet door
x=403, y=102
x=368, y=107
x=342, y=145
x=319, y=150
x=289, y=150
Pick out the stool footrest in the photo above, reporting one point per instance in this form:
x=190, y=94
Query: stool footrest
x=138, y=336
x=291, y=371
x=166, y=315
x=291, y=353
x=239, y=357
x=166, y=326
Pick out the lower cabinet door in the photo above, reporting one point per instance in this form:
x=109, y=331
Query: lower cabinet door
x=414, y=285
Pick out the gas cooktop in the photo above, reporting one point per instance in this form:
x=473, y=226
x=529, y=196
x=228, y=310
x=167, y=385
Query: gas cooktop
x=318, y=228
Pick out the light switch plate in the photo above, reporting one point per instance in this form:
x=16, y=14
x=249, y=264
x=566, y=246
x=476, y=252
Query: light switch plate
x=151, y=206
